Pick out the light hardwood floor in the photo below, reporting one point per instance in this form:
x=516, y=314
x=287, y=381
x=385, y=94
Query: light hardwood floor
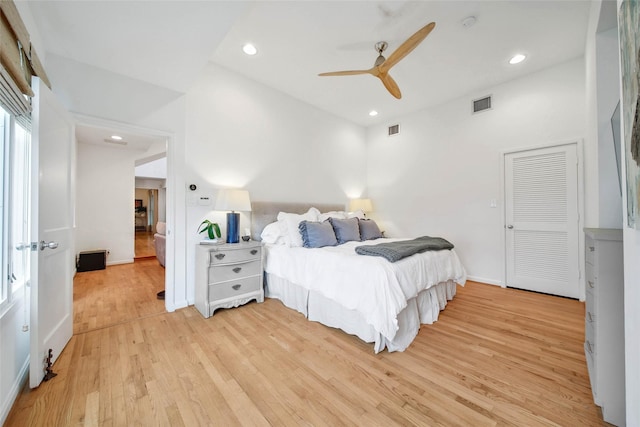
x=144, y=244
x=495, y=357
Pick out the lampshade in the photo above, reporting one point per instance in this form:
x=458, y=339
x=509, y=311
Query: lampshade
x=360, y=204
x=233, y=200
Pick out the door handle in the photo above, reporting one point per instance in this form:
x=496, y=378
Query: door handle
x=509, y=227
x=51, y=245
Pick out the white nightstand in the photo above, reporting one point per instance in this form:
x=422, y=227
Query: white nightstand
x=228, y=275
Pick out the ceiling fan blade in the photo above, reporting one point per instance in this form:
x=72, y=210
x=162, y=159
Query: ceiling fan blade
x=405, y=48
x=347, y=73
x=390, y=84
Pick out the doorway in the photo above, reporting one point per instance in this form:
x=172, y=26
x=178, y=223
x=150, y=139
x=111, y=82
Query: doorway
x=542, y=220
x=107, y=179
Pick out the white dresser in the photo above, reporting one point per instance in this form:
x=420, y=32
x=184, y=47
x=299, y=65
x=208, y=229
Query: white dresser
x=604, y=321
x=228, y=275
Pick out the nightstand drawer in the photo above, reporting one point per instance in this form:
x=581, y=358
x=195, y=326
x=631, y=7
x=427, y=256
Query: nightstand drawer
x=229, y=256
x=234, y=288
x=590, y=251
x=590, y=278
x=590, y=308
x=223, y=273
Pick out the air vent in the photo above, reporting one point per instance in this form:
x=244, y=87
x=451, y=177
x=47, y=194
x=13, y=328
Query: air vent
x=482, y=104
x=394, y=130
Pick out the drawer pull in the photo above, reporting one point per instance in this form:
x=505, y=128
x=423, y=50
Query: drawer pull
x=237, y=269
x=589, y=347
x=592, y=248
x=589, y=316
x=254, y=251
x=220, y=256
x=236, y=287
x=590, y=284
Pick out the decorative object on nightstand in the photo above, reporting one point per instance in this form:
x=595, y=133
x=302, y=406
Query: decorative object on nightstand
x=363, y=205
x=228, y=275
x=233, y=200
x=212, y=229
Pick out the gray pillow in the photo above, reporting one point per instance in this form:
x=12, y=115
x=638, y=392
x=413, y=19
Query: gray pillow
x=369, y=230
x=317, y=234
x=346, y=229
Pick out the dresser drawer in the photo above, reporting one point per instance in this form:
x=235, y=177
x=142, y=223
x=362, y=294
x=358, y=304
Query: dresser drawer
x=234, y=288
x=590, y=251
x=589, y=332
x=590, y=349
x=591, y=281
x=234, y=255
x=225, y=272
x=591, y=311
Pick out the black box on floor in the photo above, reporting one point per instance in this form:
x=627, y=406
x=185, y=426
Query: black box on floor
x=91, y=260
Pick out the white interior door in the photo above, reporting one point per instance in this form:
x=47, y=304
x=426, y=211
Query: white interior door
x=541, y=203
x=52, y=262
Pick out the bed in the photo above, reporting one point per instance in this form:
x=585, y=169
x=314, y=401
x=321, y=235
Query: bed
x=378, y=301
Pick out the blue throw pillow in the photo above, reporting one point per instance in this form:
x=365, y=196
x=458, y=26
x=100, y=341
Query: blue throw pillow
x=317, y=234
x=346, y=229
x=369, y=230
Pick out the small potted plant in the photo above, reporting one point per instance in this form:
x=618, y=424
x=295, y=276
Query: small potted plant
x=212, y=229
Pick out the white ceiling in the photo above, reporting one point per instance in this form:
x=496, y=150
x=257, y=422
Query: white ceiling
x=168, y=43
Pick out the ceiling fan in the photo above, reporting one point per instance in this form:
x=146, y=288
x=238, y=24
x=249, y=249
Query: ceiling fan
x=382, y=66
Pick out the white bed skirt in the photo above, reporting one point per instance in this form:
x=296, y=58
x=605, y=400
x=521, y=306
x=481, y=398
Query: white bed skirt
x=423, y=309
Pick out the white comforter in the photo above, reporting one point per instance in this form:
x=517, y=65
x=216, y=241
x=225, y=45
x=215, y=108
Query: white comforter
x=373, y=286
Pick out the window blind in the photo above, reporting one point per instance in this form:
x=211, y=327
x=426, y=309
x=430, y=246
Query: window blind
x=16, y=53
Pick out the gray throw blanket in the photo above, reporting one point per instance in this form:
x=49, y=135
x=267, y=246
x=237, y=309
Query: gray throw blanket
x=394, y=251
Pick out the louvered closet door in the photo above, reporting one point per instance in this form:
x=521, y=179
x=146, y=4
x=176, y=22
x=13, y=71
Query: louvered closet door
x=541, y=202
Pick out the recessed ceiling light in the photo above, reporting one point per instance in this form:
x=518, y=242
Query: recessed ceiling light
x=116, y=137
x=249, y=49
x=373, y=113
x=517, y=59
x=468, y=21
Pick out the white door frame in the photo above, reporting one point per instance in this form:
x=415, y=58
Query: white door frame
x=169, y=272
x=579, y=143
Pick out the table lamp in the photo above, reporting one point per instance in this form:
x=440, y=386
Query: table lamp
x=360, y=204
x=233, y=200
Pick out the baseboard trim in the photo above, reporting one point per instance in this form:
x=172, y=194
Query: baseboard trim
x=124, y=261
x=485, y=280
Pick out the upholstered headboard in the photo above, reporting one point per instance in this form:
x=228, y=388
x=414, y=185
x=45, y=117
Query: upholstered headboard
x=264, y=213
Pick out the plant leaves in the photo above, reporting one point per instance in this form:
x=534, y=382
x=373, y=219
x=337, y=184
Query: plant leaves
x=211, y=228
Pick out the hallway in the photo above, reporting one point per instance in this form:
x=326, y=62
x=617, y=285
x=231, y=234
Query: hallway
x=144, y=245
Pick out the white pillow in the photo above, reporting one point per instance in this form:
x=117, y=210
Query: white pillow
x=357, y=214
x=291, y=222
x=274, y=234
x=333, y=214
x=161, y=227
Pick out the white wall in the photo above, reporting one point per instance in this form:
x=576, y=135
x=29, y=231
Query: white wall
x=104, y=201
x=608, y=83
x=631, y=301
x=242, y=134
x=439, y=175
x=14, y=357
